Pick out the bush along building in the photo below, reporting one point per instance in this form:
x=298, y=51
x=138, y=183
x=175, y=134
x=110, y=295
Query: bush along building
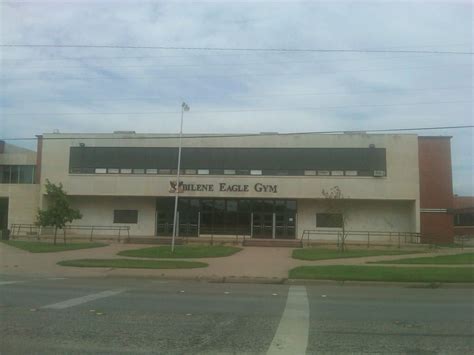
x=381, y=187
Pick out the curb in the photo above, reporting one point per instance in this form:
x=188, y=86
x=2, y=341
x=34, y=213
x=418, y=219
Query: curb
x=428, y=285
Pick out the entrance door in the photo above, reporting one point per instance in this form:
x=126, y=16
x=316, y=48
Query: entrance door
x=262, y=225
x=285, y=225
x=164, y=223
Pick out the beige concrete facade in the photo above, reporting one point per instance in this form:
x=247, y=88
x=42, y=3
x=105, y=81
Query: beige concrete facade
x=389, y=203
x=23, y=199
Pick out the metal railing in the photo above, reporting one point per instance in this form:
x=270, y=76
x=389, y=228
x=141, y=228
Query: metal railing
x=362, y=236
x=33, y=229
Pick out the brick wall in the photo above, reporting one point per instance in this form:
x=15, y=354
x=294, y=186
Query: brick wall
x=436, y=189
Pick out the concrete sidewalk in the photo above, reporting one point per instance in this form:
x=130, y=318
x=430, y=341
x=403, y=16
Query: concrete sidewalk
x=251, y=263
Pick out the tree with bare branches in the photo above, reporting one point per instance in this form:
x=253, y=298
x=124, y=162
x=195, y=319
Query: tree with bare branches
x=339, y=208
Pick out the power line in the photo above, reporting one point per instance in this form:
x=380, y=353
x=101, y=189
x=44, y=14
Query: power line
x=362, y=92
x=230, y=111
x=234, y=49
x=171, y=56
x=278, y=74
x=210, y=135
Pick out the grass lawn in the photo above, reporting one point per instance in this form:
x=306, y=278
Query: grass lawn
x=49, y=247
x=459, y=259
x=182, y=251
x=133, y=263
x=383, y=273
x=322, y=254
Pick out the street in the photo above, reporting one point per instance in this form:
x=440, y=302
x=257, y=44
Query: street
x=141, y=315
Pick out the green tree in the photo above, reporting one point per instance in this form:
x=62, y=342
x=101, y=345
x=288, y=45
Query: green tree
x=338, y=205
x=58, y=212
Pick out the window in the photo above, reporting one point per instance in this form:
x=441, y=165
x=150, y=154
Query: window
x=164, y=171
x=203, y=171
x=229, y=172
x=100, y=170
x=351, y=173
x=329, y=220
x=464, y=219
x=255, y=172
x=152, y=171
x=337, y=173
x=323, y=173
x=14, y=174
x=190, y=171
x=27, y=174
x=139, y=171
x=4, y=174
x=126, y=216
x=242, y=172
x=125, y=171
x=113, y=171
x=310, y=172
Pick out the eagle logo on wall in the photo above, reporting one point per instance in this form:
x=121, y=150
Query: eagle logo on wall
x=173, y=187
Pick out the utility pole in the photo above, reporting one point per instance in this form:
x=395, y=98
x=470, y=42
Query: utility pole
x=184, y=107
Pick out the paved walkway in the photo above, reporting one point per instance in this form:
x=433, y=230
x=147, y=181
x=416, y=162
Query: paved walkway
x=251, y=262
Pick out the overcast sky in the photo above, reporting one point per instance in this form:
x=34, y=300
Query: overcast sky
x=102, y=90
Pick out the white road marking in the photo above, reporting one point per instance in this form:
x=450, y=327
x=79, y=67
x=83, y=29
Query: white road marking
x=9, y=282
x=80, y=300
x=291, y=336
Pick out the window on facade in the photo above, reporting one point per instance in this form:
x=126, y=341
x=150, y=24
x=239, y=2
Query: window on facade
x=464, y=220
x=152, y=171
x=126, y=216
x=27, y=174
x=4, y=174
x=243, y=172
x=125, y=171
x=190, y=171
x=328, y=220
x=164, y=171
x=139, y=171
x=100, y=170
x=203, y=171
x=351, y=172
x=113, y=171
x=14, y=174
x=255, y=172
x=323, y=173
x=229, y=172
x=310, y=172
x=337, y=173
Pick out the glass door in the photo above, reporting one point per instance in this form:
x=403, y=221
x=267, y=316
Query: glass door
x=262, y=225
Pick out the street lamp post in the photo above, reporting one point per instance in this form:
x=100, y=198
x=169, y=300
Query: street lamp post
x=184, y=107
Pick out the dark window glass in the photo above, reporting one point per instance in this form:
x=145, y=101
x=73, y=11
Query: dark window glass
x=329, y=220
x=245, y=205
x=27, y=174
x=464, y=219
x=207, y=205
x=5, y=174
x=219, y=205
x=291, y=205
x=231, y=205
x=241, y=159
x=14, y=174
x=126, y=216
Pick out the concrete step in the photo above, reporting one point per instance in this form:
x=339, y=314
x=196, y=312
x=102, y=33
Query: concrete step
x=285, y=243
x=154, y=240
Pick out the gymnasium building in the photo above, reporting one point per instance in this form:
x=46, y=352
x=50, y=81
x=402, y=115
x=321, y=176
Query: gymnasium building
x=269, y=185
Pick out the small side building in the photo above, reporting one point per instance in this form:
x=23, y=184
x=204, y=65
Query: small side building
x=19, y=192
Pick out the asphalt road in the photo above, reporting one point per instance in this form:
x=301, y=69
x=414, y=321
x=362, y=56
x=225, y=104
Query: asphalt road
x=112, y=316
